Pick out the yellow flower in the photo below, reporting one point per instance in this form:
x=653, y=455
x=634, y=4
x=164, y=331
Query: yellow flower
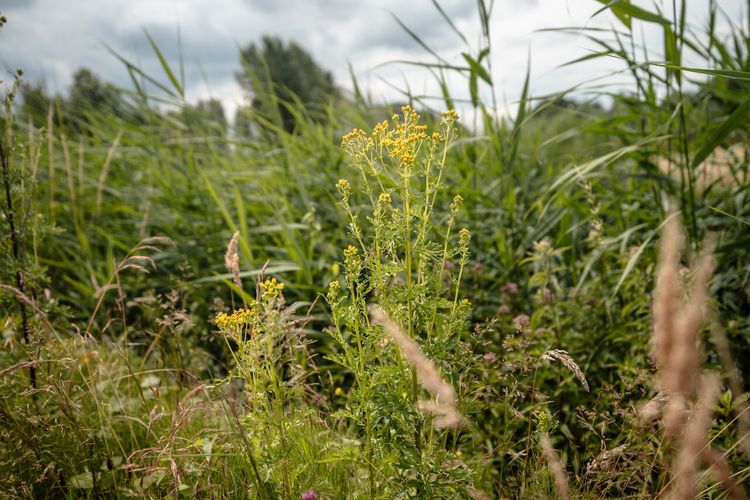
x=350, y=251
x=238, y=317
x=339, y=391
x=271, y=288
x=344, y=188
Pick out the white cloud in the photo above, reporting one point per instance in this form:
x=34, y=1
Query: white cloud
x=51, y=39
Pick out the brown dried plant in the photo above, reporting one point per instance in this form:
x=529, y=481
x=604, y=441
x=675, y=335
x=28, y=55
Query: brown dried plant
x=232, y=260
x=444, y=406
x=676, y=328
x=556, y=467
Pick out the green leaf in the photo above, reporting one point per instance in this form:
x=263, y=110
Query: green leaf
x=473, y=89
x=477, y=68
x=731, y=123
x=82, y=481
x=165, y=65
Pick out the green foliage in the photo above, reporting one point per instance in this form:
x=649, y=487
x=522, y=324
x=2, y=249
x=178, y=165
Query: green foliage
x=400, y=262
x=138, y=394
x=276, y=75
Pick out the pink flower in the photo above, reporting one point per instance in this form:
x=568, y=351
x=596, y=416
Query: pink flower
x=309, y=495
x=489, y=357
x=503, y=309
x=510, y=288
x=521, y=322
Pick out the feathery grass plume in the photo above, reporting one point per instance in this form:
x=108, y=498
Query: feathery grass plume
x=667, y=291
x=695, y=439
x=444, y=405
x=105, y=171
x=734, y=378
x=676, y=328
x=556, y=467
x=232, y=260
x=564, y=358
x=723, y=474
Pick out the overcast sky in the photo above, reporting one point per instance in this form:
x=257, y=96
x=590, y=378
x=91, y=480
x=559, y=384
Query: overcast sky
x=50, y=39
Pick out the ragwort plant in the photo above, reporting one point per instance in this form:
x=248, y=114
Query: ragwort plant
x=284, y=439
x=403, y=260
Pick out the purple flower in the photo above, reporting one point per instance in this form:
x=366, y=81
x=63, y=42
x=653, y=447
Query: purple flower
x=521, y=322
x=309, y=495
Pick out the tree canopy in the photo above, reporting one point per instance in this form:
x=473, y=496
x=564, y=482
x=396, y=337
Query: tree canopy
x=274, y=73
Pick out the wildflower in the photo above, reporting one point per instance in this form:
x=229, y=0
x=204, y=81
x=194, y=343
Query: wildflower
x=237, y=318
x=541, y=246
x=333, y=290
x=338, y=391
x=351, y=259
x=510, y=288
x=448, y=265
x=489, y=357
x=520, y=322
x=270, y=288
x=449, y=118
x=503, y=309
x=344, y=188
x=309, y=495
x=458, y=454
x=384, y=199
x=464, y=235
x=458, y=202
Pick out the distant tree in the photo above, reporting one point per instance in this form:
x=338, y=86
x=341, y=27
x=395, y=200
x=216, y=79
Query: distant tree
x=88, y=94
x=205, y=117
x=35, y=104
x=286, y=70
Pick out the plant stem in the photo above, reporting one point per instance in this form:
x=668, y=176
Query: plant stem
x=5, y=160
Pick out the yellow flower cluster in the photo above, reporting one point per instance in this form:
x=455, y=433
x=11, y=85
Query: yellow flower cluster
x=271, y=288
x=449, y=117
x=464, y=235
x=400, y=139
x=384, y=199
x=356, y=142
x=402, y=142
x=238, y=317
x=350, y=251
x=458, y=202
x=344, y=187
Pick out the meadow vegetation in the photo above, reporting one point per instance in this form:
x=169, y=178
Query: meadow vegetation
x=336, y=298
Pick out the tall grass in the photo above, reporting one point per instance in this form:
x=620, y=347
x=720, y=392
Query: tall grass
x=187, y=369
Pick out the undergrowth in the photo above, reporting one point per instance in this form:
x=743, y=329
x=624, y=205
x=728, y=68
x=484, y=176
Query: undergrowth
x=411, y=304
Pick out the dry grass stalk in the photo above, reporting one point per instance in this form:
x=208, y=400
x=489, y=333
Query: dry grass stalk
x=667, y=292
x=676, y=328
x=741, y=407
x=232, y=260
x=695, y=440
x=723, y=474
x=556, y=467
x=564, y=358
x=105, y=170
x=445, y=403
